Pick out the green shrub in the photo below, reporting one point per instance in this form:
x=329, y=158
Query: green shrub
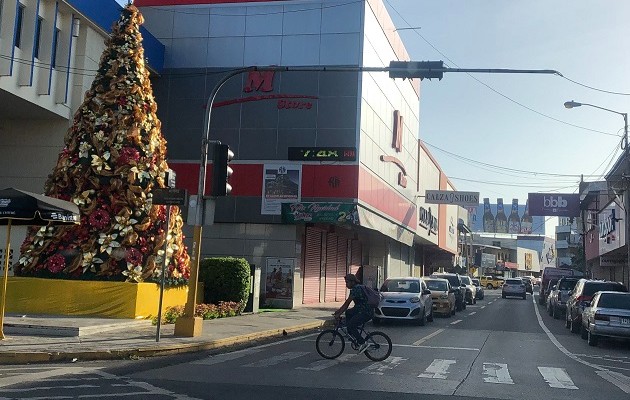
x=225, y=279
x=205, y=311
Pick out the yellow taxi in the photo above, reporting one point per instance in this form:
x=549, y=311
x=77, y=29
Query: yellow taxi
x=443, y=296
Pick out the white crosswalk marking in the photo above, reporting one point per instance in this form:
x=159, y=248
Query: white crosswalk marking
x=620, y=380
x=437, y=370
x=226, y=357
x=557, y=378
x=380, y=367
x=323, y=364
x=277, y=359
x=497, y=373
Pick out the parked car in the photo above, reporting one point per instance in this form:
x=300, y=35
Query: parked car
x=405, y=299
x=529, y=286
x=471, y=290
x=550, y=286
x=514, y=287
x=607, y=315
x=550, y=273
x=443, y=296
x=536, y=281
x=557, y=299
x=581, y=297
x=480, y=292
x=491, y=282
x=456, y=283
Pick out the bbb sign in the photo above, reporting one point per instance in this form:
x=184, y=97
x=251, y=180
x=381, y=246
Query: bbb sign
x=554, y=205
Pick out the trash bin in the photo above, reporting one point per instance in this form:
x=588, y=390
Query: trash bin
x=254, y=289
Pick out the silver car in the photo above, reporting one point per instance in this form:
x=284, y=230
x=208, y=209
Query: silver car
x=557, y=298
x=607, y=315
x=514, y=287
x=405, y=299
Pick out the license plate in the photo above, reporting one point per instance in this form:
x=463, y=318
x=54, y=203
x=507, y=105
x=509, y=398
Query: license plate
x=625, y=321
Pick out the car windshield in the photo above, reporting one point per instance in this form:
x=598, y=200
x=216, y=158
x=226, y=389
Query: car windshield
x=465, y=280
x=567, y=285
x=401, y=285
x=476, y=282
x=614, y=300
x=514, y=282
x=454, y=281
x=591, y=287
x=436, y=285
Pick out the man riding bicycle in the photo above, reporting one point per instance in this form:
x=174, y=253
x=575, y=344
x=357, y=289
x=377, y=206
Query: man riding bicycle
x=357, y=315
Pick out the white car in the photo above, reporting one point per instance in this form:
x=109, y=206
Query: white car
x=607, y=315
x=405, y=299
x=514, y=287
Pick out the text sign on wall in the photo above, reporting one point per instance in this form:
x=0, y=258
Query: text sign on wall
x=322, y=153
x=451, y=197
x=554, y=204
x=170, y=197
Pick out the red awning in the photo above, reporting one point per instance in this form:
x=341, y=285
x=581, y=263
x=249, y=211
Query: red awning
x=511, y=265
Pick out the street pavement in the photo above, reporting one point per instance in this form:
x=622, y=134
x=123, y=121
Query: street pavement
x=101, y=338
x=498, y=348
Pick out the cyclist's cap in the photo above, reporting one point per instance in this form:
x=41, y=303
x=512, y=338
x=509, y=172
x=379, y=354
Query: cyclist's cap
x=351, y=278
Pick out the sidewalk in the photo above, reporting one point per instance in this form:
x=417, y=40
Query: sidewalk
x=29, y=339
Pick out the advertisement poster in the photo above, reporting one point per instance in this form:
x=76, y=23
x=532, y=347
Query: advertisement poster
x=326, y=213
x=279, y=278
x=281, y=184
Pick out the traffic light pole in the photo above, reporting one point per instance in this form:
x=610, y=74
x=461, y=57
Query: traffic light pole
x=188, y=325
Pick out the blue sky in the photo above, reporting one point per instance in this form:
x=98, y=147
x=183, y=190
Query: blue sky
x=496, y=119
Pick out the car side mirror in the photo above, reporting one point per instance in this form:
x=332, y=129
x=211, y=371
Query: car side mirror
x=426, y=292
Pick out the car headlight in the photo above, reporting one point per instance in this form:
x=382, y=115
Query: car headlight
x=414, y=299
x=444, y=296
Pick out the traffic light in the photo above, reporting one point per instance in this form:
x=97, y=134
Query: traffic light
x=221, y=170
x=417, y=69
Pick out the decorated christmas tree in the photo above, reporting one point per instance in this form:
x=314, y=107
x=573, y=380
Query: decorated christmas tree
x=114, y=156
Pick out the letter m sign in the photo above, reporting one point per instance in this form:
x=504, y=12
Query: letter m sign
x=259, y=81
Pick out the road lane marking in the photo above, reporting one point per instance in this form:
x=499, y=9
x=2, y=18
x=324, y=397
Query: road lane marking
x=456, y=322
x=38, y=376
x=497, y=373
x=472, y=313
x=267, y=362
x=379, y=368
x=557, y=377
x=617, y=379
x=427, y=337
x=483, y=307
x=437, y=370
x=436, y=347
x=323, y=364
x=226, y=357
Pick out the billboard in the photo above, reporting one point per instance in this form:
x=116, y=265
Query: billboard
x=554, y=204
x=451, y=197
x=516, y=218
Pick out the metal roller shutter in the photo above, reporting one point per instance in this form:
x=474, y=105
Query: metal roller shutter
x=331, y=267
x=312, y=265
x=355, y=256
x=342, y=268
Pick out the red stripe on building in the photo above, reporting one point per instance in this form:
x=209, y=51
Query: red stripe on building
x=382, y=197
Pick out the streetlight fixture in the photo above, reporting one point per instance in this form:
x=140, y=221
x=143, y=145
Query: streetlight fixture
x=626, y=149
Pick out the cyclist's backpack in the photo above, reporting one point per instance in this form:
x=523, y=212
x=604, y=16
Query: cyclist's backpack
x=373, y=297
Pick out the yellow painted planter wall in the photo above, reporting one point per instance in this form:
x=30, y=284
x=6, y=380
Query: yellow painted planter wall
x=88, y=298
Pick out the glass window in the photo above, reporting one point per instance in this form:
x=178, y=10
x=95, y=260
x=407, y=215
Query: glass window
x=437, y=285
x=592, y=287
x=38, y=34
x=401, y=285
x=567, y=284
x=53, y=57
x=614, y=300
x=19, y=22
x=465, y=280
x=514, y=282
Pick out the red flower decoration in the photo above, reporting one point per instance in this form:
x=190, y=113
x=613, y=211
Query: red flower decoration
x=134, y=256
x=128, y=154
x=56, y=263
x=99, y=219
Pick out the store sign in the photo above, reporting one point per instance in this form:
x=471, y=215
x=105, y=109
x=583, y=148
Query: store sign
x=464, y=199
x=605, y=261
x=324, y=213
x=322, y=153
x=554, y=205
x=607, y=224
x=428, y=221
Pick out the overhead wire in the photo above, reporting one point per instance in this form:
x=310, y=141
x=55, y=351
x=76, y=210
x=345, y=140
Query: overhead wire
x=490, y=87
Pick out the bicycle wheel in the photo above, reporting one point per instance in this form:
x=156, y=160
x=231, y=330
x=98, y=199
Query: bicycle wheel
x=379, y=346
x=330, y=344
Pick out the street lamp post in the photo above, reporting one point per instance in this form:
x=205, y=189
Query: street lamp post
x=626, y=197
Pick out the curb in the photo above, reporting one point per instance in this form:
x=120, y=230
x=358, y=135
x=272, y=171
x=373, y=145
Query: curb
x=10, y=357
